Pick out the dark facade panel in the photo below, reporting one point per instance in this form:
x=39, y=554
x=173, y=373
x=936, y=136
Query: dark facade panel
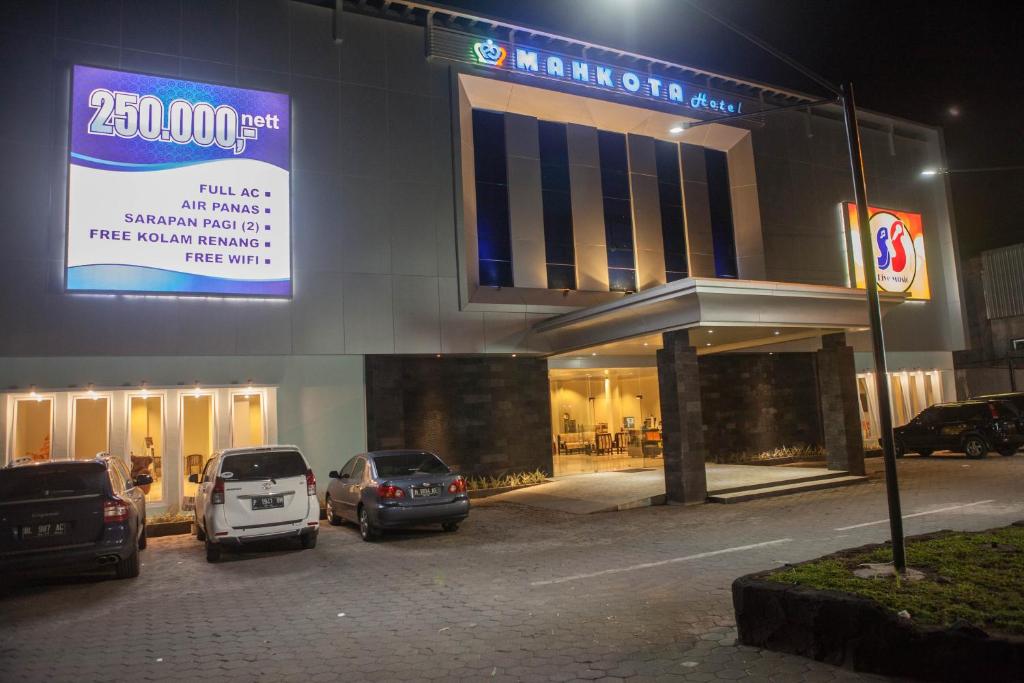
x=483, y=416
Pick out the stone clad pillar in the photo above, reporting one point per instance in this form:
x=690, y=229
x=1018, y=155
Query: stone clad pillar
x=682, y=421
x=840, y=412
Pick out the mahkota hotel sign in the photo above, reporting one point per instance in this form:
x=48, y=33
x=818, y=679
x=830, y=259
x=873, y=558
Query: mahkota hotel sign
x=575, y=70
x=177, y=187
x=528, y=61
x=897, y=241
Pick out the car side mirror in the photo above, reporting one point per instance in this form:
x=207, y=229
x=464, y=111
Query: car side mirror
x=193, y=478
x=333, y=474
x=346, y=476
x=143, y=480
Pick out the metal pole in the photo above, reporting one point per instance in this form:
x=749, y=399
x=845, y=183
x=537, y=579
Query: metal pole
x=860, y=193
x=875, y=316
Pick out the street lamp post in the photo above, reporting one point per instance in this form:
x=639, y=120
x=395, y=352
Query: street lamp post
x=860, y=192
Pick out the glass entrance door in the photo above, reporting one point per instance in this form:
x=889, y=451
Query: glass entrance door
x=605, y=420
x=146, y=442
x=196, y=440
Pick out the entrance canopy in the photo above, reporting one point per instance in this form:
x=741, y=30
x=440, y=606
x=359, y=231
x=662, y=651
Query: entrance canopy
x=761, y=313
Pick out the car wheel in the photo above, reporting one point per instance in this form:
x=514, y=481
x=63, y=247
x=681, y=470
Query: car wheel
x=450, y=526
x=200, y=534
x=898, y=449
x=309, y=540
x=212, y=551
x=367, y=530
x=1007, y=452
x=142, y=537
x=128, y=568
x=975, y=447
x=925, y=452
x=332, y=518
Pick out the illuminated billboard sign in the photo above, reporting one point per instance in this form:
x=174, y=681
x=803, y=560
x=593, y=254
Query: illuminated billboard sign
x=897, y=240
x=177, y=187
x=575, y=70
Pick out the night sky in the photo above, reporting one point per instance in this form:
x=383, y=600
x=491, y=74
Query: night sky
x=953, y=64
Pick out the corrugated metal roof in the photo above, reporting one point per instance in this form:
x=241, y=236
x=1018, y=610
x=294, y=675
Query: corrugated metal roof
x=1002, y=276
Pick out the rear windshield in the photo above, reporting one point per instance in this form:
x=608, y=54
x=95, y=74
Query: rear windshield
x=52, y=481
x=404, y=464
x=269, y=465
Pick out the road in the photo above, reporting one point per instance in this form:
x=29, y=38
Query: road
x=516, y=594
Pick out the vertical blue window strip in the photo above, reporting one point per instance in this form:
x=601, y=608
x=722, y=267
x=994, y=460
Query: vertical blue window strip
x=560, y=252
x=723, y=237
x=618, y=213
x=494, y=241
x=670, y=199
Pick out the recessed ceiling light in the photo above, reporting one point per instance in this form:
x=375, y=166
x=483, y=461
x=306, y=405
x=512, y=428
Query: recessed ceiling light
x=646, y=344
x=594, y=353
x=675, y=130
x=776, y=332
x=711, y=331
x=708, y=344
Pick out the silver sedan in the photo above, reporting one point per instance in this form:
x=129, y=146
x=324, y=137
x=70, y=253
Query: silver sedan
x=392, y=489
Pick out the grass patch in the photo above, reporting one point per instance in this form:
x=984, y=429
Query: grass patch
x=512, y=479
x=975, y=577
x=169, y=517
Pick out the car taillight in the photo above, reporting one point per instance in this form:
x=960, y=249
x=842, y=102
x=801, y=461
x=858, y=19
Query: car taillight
x=310, y=483
x=457, y=486
x=993, y=410
x=217, y=494
x=389, y=491
x=114, y=510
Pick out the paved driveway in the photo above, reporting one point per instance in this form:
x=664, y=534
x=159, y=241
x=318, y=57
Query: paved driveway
x=517, y=594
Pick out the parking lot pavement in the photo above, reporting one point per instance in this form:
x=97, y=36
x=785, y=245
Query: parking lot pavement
x=516, y=594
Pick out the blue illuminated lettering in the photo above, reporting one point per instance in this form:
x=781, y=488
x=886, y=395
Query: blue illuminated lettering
x=580, y=71
x=556, y=66
x=526, y=60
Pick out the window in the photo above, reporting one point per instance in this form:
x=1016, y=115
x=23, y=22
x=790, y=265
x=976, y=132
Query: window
x=1018, y=344
x=723, y=239
x=357, y=471
x=266, y=465
x=90, y=427
x=618, y=213
x=33, y=420
x=247, y=420
x=494, y=241
x=146, y=442
x=347, y=469
x=196, y=438
x=557, y=202
x=403, y=464
x=670, y=199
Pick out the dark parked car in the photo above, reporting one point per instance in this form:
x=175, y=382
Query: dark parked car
x=83, y=513
x=972, y=427
x=1014, y=397
x=390, y=489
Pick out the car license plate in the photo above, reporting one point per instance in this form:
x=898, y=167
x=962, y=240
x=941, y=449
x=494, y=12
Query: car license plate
x=44, y=530
x=425, y=491
x=267, y=502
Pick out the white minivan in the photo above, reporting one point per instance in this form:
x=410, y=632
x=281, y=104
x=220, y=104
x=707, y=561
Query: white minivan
x=255, y=494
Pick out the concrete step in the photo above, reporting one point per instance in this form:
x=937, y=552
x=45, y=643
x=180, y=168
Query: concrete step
x=797, y=479
x=786, y=489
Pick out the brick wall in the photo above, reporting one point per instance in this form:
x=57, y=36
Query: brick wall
x=754, y=402
x=482, y=415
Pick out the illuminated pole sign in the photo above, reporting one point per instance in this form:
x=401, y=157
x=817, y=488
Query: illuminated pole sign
x=574, y=70
x=897, y=239
x=177, y=187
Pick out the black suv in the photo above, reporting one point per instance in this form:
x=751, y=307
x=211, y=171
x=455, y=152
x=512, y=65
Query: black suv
x=84, y=513
x=972, y=427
